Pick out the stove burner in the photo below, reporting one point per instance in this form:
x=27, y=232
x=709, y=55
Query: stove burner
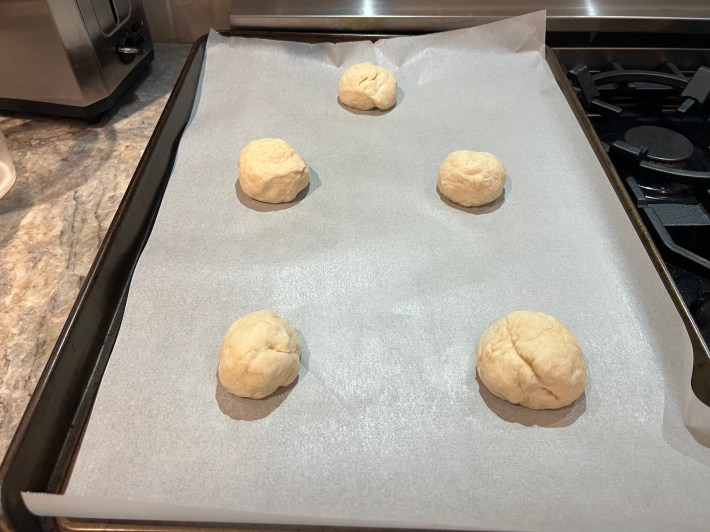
x=694, y=91
x=664, y=145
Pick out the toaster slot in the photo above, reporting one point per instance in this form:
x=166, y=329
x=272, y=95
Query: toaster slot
x=110, y=14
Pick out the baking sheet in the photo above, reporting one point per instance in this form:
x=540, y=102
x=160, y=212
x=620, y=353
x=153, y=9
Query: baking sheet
x=390, y=288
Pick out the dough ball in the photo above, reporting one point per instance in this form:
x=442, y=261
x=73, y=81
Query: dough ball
x=260, y=352
x=530, y=359
x=366, y=86
x=272, y=171
x=471, y=178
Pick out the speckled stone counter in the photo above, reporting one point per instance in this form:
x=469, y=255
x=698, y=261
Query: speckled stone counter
x=71, y=177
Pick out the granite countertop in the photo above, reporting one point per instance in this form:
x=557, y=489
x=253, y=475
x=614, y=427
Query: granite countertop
x=71, y=177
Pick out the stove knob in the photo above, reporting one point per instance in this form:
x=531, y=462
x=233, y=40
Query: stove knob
x=129, y=44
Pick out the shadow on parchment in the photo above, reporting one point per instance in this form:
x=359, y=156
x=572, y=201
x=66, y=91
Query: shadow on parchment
x=374, y=112
x=700, y=437
x=261, y=206
x=561, y=417
x=244, y=409
x=483, y=209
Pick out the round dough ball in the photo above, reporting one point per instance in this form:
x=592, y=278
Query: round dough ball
x=272, y=171
x=260, y=352
x=531, y=359
x=471, y=178
x=366, y=86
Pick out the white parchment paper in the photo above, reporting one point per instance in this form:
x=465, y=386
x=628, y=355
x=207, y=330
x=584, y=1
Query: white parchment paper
x=390, y=288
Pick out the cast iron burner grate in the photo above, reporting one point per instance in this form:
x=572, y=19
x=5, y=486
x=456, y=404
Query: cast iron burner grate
x=655, y=127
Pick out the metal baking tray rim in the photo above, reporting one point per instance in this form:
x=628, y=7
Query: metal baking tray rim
x=41, y=453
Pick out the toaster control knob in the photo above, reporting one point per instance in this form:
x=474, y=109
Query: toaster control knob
x=129, y=44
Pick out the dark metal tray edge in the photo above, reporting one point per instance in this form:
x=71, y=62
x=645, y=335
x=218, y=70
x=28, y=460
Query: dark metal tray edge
x=41, y=453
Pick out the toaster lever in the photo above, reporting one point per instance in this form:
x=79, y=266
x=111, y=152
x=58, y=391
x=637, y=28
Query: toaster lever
x=130, y=50
x=129, y=44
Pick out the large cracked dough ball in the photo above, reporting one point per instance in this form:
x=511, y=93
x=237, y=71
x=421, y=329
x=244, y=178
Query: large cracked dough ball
x=531, y=359
x=259, y=353
x=471, y=178
x=365, y=86
x=272, y=171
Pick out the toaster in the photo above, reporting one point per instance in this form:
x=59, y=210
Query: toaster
x=70, y=57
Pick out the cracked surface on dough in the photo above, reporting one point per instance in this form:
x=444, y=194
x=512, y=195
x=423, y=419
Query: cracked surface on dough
x=367, y=86
x=260, y=353
x=531, y=359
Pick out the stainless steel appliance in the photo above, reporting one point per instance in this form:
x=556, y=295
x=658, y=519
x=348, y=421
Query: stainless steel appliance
x=649, y=16
x=70, y=57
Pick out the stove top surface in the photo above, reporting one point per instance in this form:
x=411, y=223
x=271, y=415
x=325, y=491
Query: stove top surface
x=655, y=127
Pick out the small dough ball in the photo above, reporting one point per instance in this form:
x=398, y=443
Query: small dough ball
x=366, y=86
x=531, y=359
x=272, y=171
x=260, y=352
x=471, y=178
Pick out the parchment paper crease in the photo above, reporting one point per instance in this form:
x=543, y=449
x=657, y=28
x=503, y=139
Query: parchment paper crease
x=390, y=288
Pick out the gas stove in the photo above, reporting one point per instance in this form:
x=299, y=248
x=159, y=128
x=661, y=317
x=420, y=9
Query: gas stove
x=655, y=127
